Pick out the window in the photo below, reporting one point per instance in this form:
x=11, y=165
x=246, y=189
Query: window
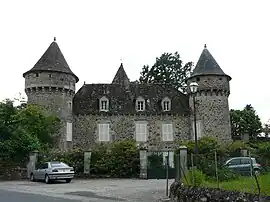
x=171, y=158
x=50, y=75
x=166, y=104
x=70, y=105
x=140, y=104
x=141, y=132
x=199, y=129
x=104, y=132
x=69, y=131
x=104, y=104
x=234, y=162
x=37, y=74
x=167, y=132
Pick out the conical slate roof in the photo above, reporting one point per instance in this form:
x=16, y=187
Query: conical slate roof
x=52, y=60
x=120, y=76
x=207, y=65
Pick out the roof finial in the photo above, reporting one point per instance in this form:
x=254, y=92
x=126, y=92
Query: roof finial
x=54, y=38
x=205, y=46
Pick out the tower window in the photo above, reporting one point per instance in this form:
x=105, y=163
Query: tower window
x=104, y=104
x=37, y=74
x=50, y=75
x=140, y=104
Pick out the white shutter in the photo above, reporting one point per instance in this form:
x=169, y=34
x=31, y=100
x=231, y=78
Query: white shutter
x=69, y=131
x=171, y=159
x=164, y=154
x=167, y=132
x=199, y=129
x=104, y=132
x=141, y=132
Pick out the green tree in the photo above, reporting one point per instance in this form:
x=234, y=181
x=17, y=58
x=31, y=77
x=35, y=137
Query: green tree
x=245, y=121
x=23, y=129
x=168, y=69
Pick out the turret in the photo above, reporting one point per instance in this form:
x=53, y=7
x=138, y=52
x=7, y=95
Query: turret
x=211, y=98
x=51, y=84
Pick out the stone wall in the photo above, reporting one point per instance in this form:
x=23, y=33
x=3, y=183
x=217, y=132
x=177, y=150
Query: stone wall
x=123, y=127
x=181, y=193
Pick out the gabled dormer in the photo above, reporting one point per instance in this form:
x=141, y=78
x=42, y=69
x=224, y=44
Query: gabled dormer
x=104, y=104
x=166, y=104
x=140, y=104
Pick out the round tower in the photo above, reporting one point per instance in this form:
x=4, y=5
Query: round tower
x=51, y=84
x=211, y=99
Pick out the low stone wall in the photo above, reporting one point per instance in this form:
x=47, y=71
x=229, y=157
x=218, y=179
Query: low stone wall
x=181, y=193
x=13, y=173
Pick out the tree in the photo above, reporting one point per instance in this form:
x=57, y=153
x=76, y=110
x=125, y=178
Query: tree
x=24, y=129
x=245, y=121
x=168, y=69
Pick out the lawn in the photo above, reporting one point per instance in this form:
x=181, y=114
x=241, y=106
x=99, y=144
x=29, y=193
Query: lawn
x=244, y=184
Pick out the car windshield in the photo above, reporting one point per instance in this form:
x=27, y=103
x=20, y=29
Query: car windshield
x=58, y=164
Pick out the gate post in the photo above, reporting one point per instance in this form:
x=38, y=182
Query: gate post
x=143, y=164
x=183, y=161
x=33, y=157
x=87, y=162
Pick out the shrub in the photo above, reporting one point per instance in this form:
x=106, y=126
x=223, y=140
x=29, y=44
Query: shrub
x=195, y=177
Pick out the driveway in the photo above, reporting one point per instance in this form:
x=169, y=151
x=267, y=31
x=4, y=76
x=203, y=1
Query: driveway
x=105, y=190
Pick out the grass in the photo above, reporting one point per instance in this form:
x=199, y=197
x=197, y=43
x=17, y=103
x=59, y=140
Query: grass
x=244, y=184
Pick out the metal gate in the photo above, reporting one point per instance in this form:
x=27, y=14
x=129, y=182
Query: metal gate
x=157, y=165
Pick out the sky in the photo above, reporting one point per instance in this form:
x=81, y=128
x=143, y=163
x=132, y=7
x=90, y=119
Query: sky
x=95, y=36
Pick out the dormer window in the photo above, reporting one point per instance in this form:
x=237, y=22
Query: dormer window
x=104, y=104
x=166, y=104
x=140, y=104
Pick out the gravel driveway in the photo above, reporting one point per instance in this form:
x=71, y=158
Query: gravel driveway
x=105, y=190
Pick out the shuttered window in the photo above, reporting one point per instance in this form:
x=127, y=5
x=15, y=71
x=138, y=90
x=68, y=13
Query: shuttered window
x=167, y=132
x=141, y=132
x=104, y=132
x=69, y=131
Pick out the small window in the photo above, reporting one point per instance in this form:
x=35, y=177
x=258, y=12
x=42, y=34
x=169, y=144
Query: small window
x=70, y=105
x=50, y=75
x=104, y=132
x=104, y=104
x=166, y=104
x=198, y=79
x=140, y=104
x=37, y=74
x=69, y=131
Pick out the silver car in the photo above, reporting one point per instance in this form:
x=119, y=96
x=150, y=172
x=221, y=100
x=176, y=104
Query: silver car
x=54, y=170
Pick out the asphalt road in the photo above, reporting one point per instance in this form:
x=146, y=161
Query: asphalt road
x=10, y=196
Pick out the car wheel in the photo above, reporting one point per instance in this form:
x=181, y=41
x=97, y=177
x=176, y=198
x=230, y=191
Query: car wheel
x=47, y=179
x=32, y=177
x=68, y=180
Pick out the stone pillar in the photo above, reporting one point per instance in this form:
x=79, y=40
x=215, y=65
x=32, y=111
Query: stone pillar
x=31, y=166
x=183, y=161
x=87, y=162
x=143, y=164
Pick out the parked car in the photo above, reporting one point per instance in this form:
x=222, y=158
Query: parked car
x=51, y=171
x=242, y=165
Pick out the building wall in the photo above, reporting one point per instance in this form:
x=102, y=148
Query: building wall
x=54, y=91
x=212, y=106
x=85, y=133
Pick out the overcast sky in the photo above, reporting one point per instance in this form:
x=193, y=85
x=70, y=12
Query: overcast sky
x=94, y=35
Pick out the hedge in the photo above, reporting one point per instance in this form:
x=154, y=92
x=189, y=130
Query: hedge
x=116, y=160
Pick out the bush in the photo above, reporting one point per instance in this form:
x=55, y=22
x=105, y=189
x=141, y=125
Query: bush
x=120, y=159
x=195, y=177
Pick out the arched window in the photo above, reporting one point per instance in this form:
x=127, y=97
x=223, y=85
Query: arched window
x=104, y=104
x=140, y=104
x=166, y=104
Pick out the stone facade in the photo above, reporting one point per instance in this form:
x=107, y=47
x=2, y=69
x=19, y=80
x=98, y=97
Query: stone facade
x=51, y=83
x=123, y=127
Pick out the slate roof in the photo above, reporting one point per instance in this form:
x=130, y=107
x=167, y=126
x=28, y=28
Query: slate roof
x=52, y=60
x=120, y=76
x=207, y=65
x=122, y=101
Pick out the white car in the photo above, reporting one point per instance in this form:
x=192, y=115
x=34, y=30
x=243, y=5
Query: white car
x=54, y=170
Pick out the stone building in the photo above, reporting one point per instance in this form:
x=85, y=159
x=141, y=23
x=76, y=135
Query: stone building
x=155, y=115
